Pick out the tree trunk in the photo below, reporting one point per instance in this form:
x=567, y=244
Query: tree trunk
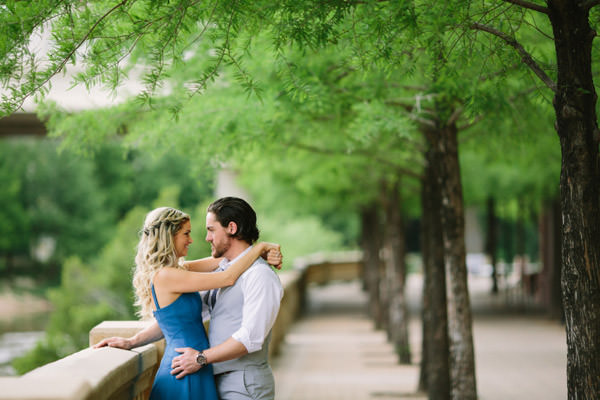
x=370, y=241
x=435, y=369
x=386, y=275
x=551, y=259
x=396, y=276
x=426, y=297
x=520, y=259
x=382, y=322
x=491, y=243
x=576, y=124
x=462, y=357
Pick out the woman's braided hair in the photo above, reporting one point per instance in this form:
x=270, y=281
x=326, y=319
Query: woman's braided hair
x=155, y=250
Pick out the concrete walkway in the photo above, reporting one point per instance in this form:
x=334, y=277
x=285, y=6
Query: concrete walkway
x=334, y=352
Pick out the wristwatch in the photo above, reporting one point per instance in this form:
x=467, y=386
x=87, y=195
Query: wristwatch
x=201, y=359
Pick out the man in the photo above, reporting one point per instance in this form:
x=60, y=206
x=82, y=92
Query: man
x=242, y=315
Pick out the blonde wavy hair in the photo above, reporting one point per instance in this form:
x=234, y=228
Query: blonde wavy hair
x=155, y=250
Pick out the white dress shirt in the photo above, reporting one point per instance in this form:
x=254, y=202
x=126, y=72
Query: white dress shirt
x=262, y=297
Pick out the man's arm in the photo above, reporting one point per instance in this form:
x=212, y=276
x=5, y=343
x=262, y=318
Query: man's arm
x=185, y=363
x=150, y=334
x=262, y=297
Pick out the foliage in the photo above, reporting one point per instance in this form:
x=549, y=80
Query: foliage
x=345, y=101
x=89, y=294
x=333, y=79
x=59, y=204
x=299, y=235
x=14, y=220
x=104, y=34
x=343, y=91
x=56, y=202
x=517, y=156
x=93, y=291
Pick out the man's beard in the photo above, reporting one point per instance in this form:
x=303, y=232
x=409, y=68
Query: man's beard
x=218, y=252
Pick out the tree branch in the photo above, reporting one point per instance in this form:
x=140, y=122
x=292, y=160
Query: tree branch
x=591, y=3
x=454, y=117
x=525, y=56
x=214, y=70
x=408, y=87
x=409, y=108
x=319, y=150
x=70, y=54
x=470, y=124
x=514, y=67
x=529, y=5
x=355, y=2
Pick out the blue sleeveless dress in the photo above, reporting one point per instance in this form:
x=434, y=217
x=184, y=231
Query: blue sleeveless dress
x=181, y=324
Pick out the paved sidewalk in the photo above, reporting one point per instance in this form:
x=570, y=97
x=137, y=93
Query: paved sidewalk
x=334, y=352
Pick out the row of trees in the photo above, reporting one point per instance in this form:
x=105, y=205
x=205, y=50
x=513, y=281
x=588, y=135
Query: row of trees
x=389, y=91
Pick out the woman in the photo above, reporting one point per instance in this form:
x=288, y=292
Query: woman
x=168, y=289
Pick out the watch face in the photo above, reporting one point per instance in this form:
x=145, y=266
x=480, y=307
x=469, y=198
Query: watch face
x=201, y=359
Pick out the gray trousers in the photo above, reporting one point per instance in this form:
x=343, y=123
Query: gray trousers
x=253, y=382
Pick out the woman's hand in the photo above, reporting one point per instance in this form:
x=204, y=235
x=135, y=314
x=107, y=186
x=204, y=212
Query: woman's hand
x=272, y=253
x=118, y=342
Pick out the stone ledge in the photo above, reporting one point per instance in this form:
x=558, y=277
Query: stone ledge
x=107, y=329
x=110, y=373
x=89, y=374
x=46, y=388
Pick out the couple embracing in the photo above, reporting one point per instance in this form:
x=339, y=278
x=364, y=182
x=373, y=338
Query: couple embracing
x=231, y=362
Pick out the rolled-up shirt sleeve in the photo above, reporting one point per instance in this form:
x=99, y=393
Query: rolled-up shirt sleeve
x=262, y=296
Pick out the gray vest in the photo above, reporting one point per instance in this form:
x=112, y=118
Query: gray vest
x=225, y=319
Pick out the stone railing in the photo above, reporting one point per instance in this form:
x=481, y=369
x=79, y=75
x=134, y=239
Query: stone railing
x=88, y=374
x=110, y=373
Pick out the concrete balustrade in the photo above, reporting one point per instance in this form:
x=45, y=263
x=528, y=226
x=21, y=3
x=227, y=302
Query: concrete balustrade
x=321, y=268
x=88, y=374
x=109, y=373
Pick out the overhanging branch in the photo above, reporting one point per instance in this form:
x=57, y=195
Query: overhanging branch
x=589, y=4
x=454, y=117
x=410, y=108
x=65, y=59
x=319, y=150
x=525, y=56
x=470, y=124
x=529, y=5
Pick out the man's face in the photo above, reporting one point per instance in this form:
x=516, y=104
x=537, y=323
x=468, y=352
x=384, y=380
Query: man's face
x=217, y=236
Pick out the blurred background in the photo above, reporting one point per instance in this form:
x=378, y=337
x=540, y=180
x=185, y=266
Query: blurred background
x=73, y=206
x=333, y=141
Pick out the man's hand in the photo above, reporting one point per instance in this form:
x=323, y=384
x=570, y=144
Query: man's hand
x=185, y=363
x=118, y=342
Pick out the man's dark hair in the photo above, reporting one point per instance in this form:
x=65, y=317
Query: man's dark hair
x=228, y=209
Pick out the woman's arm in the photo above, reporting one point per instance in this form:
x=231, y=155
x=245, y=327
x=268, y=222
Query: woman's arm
x=181, y=281
x=209, y=264
x=150, y=334
x=206, y=264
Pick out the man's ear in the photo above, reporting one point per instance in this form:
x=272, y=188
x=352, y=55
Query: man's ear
x=232, y=228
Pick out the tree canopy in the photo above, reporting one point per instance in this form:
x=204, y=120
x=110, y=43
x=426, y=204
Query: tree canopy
x=385, y=80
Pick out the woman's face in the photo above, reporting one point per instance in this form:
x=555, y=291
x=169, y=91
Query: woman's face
x=183, y=239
